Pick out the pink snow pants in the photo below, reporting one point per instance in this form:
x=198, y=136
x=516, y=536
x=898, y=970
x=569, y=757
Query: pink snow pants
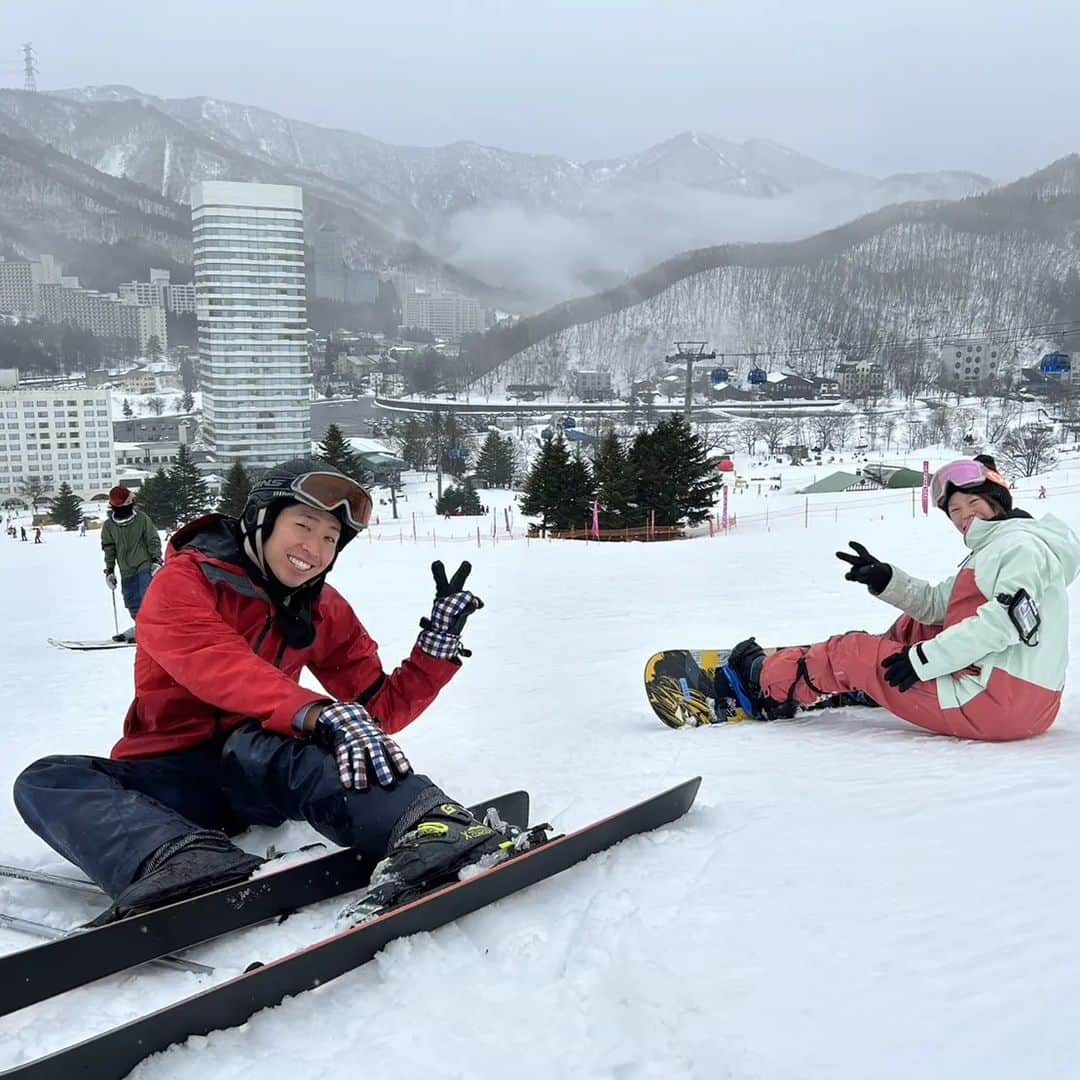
x=1007, y=709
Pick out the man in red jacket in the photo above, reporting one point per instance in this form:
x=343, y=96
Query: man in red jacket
x=222, y=736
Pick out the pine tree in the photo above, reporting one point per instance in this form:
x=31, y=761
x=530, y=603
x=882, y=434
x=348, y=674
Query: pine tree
x=234, y=491
x=614, y=481
x=558, y=488
x=672, y=476
x=156, y=499
x=335, y=450
x=191, y=496
x=128, y=410
x=505, y=461
x=462, y=500
x=415, y=445
x=66, y=507
x=578, y=495
x=487, y=463
x=187, y=402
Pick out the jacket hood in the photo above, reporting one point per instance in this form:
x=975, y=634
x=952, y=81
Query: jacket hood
x=1062, y=543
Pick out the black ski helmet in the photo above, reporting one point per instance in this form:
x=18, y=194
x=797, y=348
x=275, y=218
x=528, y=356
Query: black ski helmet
x=271, y=493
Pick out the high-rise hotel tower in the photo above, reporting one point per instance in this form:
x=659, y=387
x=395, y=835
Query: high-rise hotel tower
x=251, y=308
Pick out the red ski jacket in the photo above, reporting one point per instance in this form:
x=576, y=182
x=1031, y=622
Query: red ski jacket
x=209, y=655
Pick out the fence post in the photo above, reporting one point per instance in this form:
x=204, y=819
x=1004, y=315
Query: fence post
x=806, y=513
x=477, y=535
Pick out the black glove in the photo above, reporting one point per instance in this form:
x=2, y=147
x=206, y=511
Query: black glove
x=441, y=636
x=899, y=672
x=866, y=569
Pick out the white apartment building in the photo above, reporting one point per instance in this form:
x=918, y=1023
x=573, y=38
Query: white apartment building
x=55, y=434
x=446, y=315
x=972, y=364
x=37, y=289
x=251, y=307
x=16, y=287
x=159, y=291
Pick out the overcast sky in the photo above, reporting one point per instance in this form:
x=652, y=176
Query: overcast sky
x=870, y=85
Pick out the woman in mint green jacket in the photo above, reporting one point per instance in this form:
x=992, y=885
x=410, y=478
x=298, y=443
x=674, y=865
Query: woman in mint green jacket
x=982, y=655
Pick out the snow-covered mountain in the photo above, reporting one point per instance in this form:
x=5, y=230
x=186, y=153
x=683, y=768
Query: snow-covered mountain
x=538, y=224
x=917, y=270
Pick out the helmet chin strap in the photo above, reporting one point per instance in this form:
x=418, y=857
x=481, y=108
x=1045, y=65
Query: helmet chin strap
x=253, y=542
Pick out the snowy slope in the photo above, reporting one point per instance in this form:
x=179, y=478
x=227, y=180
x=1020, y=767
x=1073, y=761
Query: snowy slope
x=850, y=897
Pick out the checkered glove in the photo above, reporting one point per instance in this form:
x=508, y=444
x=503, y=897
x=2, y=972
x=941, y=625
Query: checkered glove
x=357, y=741
x=441, y=633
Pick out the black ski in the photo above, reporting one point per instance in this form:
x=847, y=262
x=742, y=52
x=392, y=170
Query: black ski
x=115, y=1053
x=32, y=975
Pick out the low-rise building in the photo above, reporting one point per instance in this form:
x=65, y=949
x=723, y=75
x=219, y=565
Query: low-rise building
x=593, y=385
x=53, y=435
x=860, y=378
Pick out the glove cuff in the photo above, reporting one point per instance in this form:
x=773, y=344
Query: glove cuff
x=439, y=645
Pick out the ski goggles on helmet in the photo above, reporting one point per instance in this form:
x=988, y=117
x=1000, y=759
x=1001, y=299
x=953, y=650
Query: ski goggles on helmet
x=961, y=475
x=326, y=491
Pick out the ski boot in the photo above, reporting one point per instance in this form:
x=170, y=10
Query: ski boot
x=193, y=864
x=737, y=686
x=127, y=635
x=445, y=844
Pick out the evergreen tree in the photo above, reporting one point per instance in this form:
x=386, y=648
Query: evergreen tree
x=505, y=462
x=491, y=462
x=615, y=487
x=335, y=450
x=234, y=491
x=187, y=402
x=187, y=375
x=461, y=500
x=66, y=507
x=578, y=495
x=153, y=349
x=672, y=475
x=415, y=444
x=558, y=488
x=191, y=496
x=156, y=499
x=128, y=410
x=455, y=457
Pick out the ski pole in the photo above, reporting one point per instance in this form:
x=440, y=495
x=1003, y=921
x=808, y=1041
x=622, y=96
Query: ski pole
x=116, y=621
x=54, y=933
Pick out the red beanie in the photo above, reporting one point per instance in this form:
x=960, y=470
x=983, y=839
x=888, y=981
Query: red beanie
x=120, y=496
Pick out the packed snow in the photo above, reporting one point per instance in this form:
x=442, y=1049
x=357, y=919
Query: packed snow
x=850, y=897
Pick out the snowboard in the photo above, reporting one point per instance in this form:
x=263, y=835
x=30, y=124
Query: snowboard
x=88, y=646
x=679, y=684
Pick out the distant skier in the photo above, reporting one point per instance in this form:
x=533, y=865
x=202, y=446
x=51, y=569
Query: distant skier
x=22, y=531
x=982, y=655
x=221, y=735
x=131, y=545
x=37, y=534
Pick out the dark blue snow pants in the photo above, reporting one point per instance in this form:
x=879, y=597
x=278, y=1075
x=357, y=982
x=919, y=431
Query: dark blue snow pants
x=107, y=817
x=134, y=590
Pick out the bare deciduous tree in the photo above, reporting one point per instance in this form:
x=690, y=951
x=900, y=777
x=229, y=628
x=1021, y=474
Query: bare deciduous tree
x=1028, y=450
x=773, y=431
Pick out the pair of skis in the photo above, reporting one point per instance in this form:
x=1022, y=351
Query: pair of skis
x=39, y=973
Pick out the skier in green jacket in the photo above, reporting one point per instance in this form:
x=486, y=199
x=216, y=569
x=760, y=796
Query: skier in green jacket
x=131, y=545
